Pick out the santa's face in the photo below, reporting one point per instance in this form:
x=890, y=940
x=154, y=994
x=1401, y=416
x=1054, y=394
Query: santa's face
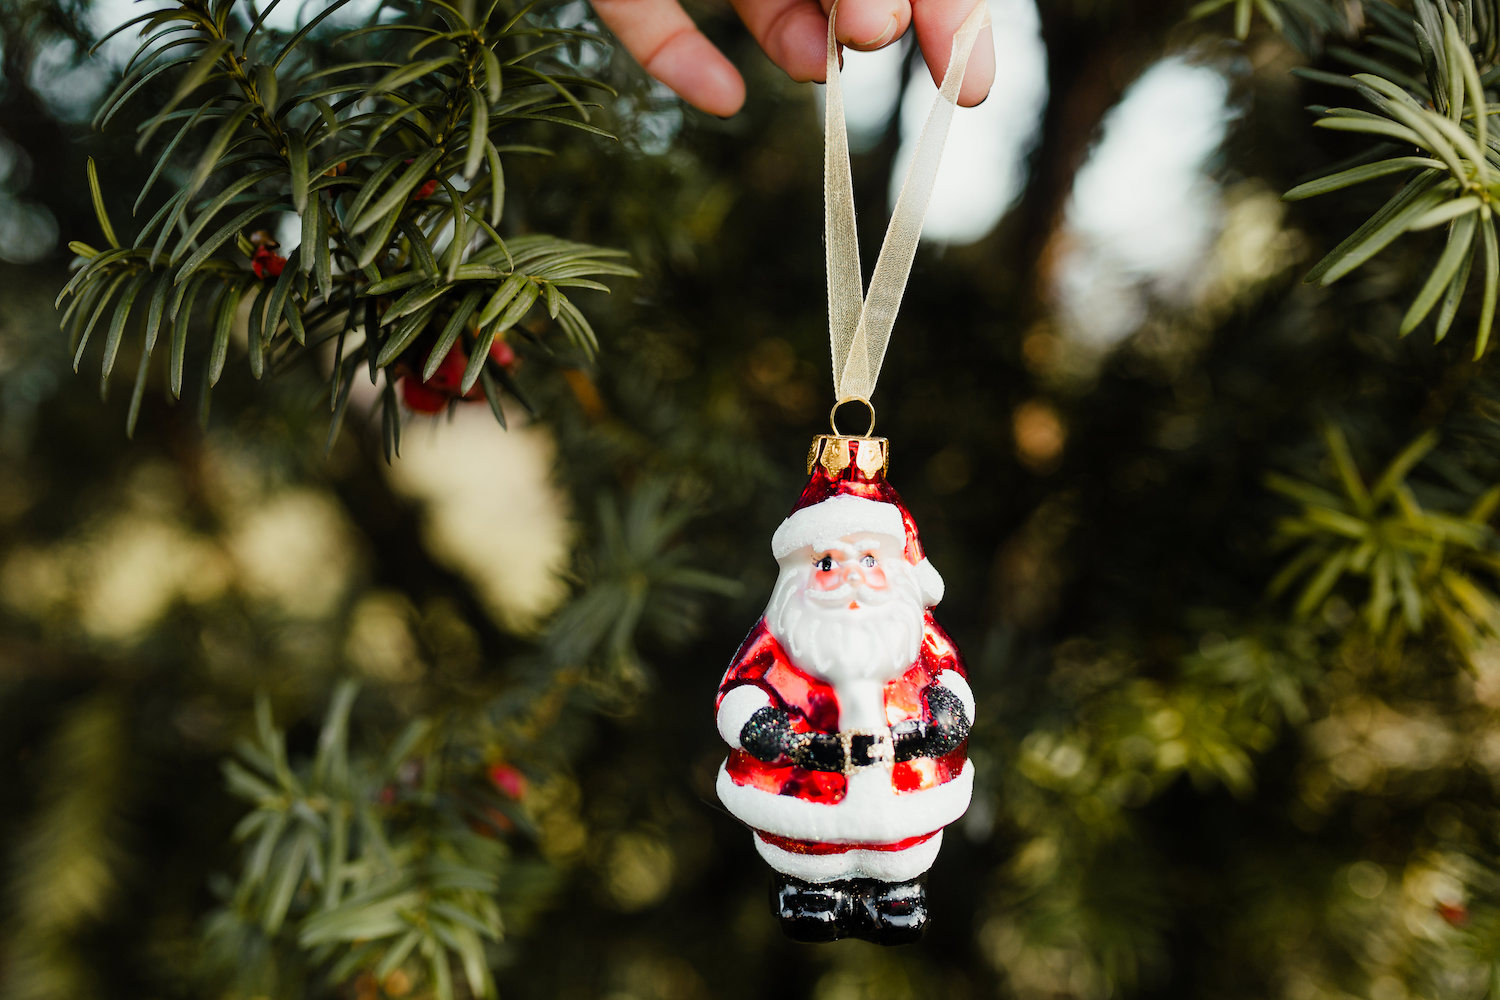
x=848, y=609
x=849, y=569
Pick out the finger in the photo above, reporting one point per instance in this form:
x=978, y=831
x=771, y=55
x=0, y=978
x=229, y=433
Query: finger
x=937, y=21
x=871, y=24
x=668, y=46
x=793, y=33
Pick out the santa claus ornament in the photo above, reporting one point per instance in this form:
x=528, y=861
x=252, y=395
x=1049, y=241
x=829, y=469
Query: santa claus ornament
x=846, y=709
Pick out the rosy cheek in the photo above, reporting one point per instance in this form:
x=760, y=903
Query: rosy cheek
x=875, y=578
x=827, y=579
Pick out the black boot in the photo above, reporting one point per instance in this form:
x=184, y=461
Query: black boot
x=891, y=912
x=813, y=911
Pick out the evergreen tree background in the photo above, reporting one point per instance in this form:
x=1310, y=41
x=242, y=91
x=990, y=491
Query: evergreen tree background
x=287, y=722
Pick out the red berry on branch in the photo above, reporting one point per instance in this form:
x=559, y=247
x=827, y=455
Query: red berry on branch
x=499, y=821
x=508, y=781
x=1455, y=914
x=425, y=191
x=267, y=263
x=434, y=394
x=420, y=399
x=449, y=375
x=502, y=353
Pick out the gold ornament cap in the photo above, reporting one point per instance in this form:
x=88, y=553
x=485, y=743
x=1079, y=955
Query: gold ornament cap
x=836, y=453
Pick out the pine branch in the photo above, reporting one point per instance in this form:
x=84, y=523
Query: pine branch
x=1417, y=564
x=1305, y=23
x=1451, y=181
x=393, y=163
x=63, y=876
x=365, y=865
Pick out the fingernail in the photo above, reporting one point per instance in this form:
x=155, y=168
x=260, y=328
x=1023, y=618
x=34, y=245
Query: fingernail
x=890, y=32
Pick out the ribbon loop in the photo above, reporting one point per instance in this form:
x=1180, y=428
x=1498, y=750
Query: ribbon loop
x=859, y=323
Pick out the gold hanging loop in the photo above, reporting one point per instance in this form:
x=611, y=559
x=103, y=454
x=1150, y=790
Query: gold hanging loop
x=833, y=416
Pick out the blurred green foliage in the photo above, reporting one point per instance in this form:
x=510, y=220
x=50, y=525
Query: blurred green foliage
x=288, y=724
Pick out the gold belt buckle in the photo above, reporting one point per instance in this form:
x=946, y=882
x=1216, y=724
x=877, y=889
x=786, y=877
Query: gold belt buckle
x=882, y=750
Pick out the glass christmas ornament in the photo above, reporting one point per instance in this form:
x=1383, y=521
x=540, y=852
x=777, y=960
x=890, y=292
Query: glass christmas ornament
x=847, y=709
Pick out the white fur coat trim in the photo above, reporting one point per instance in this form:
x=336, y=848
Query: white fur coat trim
x=887, y=866
x=872, y=812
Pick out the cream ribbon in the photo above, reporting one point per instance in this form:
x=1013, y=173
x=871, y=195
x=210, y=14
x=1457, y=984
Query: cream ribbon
x=859, y=324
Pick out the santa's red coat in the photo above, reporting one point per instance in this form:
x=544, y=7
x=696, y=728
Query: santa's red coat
x=883, y=804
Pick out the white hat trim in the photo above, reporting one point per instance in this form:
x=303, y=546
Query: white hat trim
x=836, y=517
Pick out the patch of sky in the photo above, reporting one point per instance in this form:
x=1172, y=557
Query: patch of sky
x=651, y=120
x=872, y=85
x=286, y=16
x=68, y=81
x=289, y=15
x=982, y=167
x=586, y=57
x=1145, y=210
x=28, y=231
x=105, y=16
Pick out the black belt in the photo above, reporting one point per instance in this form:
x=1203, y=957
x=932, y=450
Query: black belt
x=844, y=752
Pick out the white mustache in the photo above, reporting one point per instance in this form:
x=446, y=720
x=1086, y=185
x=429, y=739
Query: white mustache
x=845, y=592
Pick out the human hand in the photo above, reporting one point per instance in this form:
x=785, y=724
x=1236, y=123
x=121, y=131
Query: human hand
x=794, y=34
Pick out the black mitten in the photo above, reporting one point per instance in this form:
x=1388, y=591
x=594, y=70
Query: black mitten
x=768, y=734
x=948, y=727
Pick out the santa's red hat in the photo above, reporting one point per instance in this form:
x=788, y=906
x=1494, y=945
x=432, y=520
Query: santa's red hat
x=848, y=494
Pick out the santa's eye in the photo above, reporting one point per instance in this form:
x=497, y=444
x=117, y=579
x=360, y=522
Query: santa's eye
x=868, y=562
x=824, y=564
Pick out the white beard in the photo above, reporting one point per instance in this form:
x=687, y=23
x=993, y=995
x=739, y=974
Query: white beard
x=878, y=641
